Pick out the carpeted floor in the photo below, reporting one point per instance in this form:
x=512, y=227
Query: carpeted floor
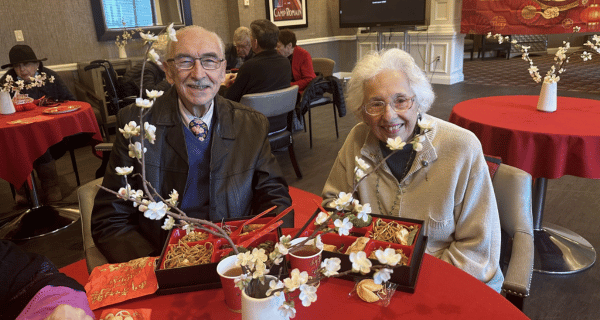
x=579, y=76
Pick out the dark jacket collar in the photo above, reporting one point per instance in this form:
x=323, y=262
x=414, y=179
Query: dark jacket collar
x=167, y=114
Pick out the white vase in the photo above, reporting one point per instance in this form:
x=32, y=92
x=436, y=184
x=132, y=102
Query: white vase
x=122, y=52
x=6, y=104
x=262, y=308
x=547, y=99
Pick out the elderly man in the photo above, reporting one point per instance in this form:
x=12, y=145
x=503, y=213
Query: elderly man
x=240, y=50
x=300, y=59
x=227, y=171
x=26, y=65
x=267, y=71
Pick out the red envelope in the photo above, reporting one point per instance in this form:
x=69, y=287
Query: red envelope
x=113, y=283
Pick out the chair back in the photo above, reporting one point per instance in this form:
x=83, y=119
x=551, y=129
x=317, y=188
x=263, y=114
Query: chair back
x=275, y=105
x=86, y=195
x=513, y=190
x=323, y=66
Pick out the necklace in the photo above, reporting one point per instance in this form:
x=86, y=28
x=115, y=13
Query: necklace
x=413, y=153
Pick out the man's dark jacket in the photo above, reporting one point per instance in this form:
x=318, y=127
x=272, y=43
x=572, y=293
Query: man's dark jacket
x=267, y=71
x=245, y=178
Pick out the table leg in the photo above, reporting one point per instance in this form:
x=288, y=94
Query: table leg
x=556, y=249
x=38, y=221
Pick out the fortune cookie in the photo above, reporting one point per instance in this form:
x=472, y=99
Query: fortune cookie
x=366, y=290
x=358, y=245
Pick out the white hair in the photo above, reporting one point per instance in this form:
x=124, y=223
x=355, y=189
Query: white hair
x=170, y=46
x=393, y=59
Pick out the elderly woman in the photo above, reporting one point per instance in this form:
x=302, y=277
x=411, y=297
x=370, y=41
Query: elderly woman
x=442, y=180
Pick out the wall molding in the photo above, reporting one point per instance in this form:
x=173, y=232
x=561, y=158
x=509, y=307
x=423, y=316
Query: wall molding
x=326, y=39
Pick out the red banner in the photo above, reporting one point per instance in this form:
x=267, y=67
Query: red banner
x=529, y=16
x=287, y=10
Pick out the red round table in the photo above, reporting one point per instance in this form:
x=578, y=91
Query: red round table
x=27, y=135
x=442, y=292
x=22, y=143
x=548, y=146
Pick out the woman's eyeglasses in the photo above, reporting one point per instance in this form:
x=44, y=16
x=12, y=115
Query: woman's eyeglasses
x=398, y=104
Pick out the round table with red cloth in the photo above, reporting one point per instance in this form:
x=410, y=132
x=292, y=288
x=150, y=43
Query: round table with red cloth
x=442, y=292
x=549, y=145
x=23, y=143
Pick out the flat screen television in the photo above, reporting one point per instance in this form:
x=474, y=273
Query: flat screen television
x=379, y=13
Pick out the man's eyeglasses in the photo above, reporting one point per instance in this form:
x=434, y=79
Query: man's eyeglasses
x=398, y=104
x=187, y=63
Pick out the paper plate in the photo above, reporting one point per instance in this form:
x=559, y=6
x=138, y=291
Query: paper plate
x=61, y=109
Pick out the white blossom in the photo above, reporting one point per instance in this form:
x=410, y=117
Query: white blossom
x=169, y=223
x=156, y=210
x=143, y=103
x=287, y=310
x=321, y=218
x=395, y=144
x=130, y=130
x=171, y=32
x=360, y=263
x=343, y=201
x=243, y=259
x=186, y=227
x=388, y=256
x=425, y=125
x=318, y=242
x=275, y=285
x=295, y=280
x=135, y=150
x=343, y=226
x=308, y=294
x=154, y=57
x=586, y=56
x=417, y=143
x=576, y=28
x=148, y=36
x=362, y=211
x=382, y=275
x=260, y=269
x=150, y=132
x=124, y=192
x=154, y=94
x=331, y=266
x=123, y=171
x=144, y=206
x=174, y=197
x=259, y=255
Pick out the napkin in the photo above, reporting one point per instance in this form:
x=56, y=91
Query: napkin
x=113, y=283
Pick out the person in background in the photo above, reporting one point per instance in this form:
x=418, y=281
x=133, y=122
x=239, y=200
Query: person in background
x=224, y=171
x=31, y=288
x=300, y=59
x=240, y=50
x=444, y=181
x=154, y=75
x=25, y=64
x=267, y=71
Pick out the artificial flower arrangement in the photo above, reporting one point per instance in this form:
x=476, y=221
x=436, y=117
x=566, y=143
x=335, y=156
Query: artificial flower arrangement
x=121, y=40
x=561, y=57
x=10, y=85
x=257, y=263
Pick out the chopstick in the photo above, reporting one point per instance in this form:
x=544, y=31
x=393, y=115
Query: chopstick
x=239, y=230
x=278, y=217
x=314, y=215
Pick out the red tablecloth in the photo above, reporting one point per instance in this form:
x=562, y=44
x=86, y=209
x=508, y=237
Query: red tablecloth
x=548, y=145
x=443, y=292
x=23, y=143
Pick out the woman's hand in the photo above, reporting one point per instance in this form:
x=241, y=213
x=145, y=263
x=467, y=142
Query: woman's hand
x=229, y=78
x=67, y=312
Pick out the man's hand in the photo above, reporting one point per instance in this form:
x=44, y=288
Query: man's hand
x=229, y=78
x=67, y=312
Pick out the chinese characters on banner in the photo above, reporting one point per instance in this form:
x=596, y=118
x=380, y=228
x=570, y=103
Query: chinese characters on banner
x=287, y=10
x=529, y=16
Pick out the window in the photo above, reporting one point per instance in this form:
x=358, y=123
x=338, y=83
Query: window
x=112, y=16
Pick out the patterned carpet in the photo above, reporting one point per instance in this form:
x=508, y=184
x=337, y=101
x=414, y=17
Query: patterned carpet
x=579, y=76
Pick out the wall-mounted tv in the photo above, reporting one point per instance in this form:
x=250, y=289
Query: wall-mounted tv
x=376, y=13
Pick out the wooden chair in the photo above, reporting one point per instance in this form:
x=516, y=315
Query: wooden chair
x=491, y=44
x=278, y=107
x=469, y=44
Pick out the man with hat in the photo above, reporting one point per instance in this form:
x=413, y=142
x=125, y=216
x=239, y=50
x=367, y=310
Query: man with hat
x=25, y=65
